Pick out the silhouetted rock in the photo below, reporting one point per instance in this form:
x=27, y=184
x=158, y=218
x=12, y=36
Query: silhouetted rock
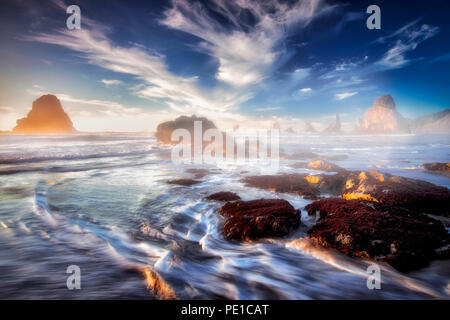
x=256, y=219
x=46, y=116
x=405, y=239
x=382, y=117
x=335, y=127
x=223, y=196
x=164, y=130
x=184, y=182
x=392, y=190
x=437, y=167
x=438, y=122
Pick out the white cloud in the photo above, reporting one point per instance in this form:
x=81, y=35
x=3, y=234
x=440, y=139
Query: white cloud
x=111, y=82
x=267, y=109
x=158, y=82
x=409, y=39
x=247, y=52
x=345, y=95
x=305, y=90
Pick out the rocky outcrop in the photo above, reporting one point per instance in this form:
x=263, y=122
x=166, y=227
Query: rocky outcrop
x=437, y=167
x=164, y=130
x=46, y=116
x=285, y=183
x=223, y=196
x=382, y=117
x=183, y=182
x=434, y=123
x=320, y=165
x=392, y=190
x=256, y=219
x=373, y=186
x=335, y=127
x=405, y=239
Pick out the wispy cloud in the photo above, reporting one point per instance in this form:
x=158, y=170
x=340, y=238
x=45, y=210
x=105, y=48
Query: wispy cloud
x=267, y=109
x=246, y=52
x=158, y=82
x=111, y=82
x=408, y=39
x=305, y=90
x=345, y=95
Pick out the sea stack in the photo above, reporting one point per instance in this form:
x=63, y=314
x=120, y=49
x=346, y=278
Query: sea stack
x=382, y=117
x=164, y=130
x=46, y=116
x=335, y=127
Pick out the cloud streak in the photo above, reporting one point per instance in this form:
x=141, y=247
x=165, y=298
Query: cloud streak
x=247, y=52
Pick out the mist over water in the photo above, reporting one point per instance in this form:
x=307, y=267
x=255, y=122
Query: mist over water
x=102, y=202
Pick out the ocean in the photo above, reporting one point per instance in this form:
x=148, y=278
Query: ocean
x=101, y=202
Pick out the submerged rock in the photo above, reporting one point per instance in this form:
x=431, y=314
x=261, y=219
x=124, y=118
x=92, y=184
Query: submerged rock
x=198, y=173
x=256, y=219
x=184, y=182
x=405, y=239
x=223, y=196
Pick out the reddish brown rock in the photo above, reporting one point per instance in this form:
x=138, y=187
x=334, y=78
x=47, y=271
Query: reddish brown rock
x=392, y=190
x=184, y=182
x=437, y=167
x=223, y=196
x=286, y=183
x=405, y=239
x=256, y=219
x=46, y=116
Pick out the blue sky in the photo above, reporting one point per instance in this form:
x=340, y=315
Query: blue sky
x=252, y=63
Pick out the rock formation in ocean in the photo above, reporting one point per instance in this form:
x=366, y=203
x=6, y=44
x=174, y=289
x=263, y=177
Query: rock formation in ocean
x=309, y=128
x=224, y=196
x=335, y=127
x=164, y=130
x=46, y=116
x=256, y=219
x=438, y=167
x=433, y=123
x=404, y=238
x=382, y=117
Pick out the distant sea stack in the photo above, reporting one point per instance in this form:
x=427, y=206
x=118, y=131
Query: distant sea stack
x=382, y=117
x=434, y=123
x=335, y=127
x=309, y=127
x=46, y=116
x=164, y=130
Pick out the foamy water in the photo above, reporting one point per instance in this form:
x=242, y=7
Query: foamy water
x=102, y=202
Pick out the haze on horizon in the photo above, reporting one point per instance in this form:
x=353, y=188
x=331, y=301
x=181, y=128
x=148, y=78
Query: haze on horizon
x=133, y=65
